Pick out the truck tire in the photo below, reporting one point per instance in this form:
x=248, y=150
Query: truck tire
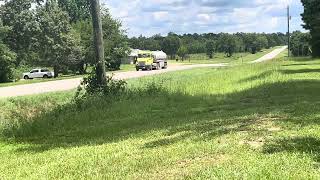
x=26, y=77
x=45, y=76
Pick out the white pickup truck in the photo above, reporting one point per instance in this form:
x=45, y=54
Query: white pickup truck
x=38, y=73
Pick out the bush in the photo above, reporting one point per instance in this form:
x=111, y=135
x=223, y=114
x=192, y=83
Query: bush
x=90, y=87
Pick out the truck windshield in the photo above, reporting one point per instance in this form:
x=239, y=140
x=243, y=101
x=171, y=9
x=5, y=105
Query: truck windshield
x=143, y=55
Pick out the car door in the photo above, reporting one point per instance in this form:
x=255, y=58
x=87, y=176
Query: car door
x=34, y=73
x=38, y=74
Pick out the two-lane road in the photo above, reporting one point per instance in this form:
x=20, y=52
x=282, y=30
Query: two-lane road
x=69, y=84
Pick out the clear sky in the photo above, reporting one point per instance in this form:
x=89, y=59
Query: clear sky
x=149, y=17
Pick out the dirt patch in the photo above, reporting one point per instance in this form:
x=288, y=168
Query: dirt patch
x=255, y=144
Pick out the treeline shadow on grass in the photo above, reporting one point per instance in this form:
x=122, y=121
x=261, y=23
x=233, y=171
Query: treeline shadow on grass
x=302, y=145
x=300, y=71
x=100, y=120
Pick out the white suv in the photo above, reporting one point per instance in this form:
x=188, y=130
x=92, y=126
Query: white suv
x=38, y=73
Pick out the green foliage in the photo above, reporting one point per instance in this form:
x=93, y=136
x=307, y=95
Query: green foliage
x=299, y=43
x=171, y=45
x=115, y=42
x=90, y=86
x=311, y=18
x=229, y=44
x=7, y=57
x=210, y=48
x=7, y=60
x=17, y=15
x=116, y=46
x=58, y=46
x=245, y=42
x=58, y=34
x=84, y=30
x=78, y=10
x=182, y=52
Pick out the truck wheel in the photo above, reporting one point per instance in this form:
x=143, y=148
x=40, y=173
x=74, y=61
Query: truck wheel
x=26, y=77
x=45, y=76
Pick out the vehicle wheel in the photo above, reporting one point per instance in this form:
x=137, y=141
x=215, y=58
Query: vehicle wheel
x=46, y=76
x=26, y=77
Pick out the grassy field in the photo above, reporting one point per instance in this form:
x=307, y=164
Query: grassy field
x=257, y=121
x=236, y=59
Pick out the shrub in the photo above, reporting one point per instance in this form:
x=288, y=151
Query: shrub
x=90, y=87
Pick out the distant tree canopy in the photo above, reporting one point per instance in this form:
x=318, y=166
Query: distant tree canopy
x=182, y=52
x=57, y=34
x=209, y=43
x=210, y=48
x=311, y=18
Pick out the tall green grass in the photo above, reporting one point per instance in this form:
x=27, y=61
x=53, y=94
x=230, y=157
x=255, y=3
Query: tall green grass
x=244, y=122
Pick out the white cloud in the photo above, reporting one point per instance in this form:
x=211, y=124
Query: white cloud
x=149, y=17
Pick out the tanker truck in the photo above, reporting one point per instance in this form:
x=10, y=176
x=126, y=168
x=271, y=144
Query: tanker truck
x=150, y=60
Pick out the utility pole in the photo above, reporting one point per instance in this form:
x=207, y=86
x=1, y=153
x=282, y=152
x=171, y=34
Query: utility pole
x=98, y=41
x=288, y=14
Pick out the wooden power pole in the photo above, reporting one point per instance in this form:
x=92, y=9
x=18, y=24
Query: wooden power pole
x=98, y=41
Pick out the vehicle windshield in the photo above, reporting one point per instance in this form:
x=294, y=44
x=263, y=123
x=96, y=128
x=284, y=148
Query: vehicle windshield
x=143, y=55
x=44, y=70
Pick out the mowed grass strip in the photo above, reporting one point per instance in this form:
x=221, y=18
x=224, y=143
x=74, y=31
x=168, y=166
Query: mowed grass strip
x=245, y=122
x=236, y=59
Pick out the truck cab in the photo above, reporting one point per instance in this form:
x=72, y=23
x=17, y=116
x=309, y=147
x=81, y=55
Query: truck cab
x=149, y=60
x=144, y=60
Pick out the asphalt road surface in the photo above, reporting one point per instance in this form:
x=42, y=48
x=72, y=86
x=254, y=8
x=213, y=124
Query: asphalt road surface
x=270, y=55
x=69, y=84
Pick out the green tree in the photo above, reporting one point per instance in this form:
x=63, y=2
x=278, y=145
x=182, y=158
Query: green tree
x=78, y=10
x=115, y=42
x=116, y=46
x=7, y=57
x=171, y=45
x=182, y=52
x=210, y=48
x=311, y=18
x=299, y=44
x=229, y=44
x=18, y=15
x=262, y=42
x=58, y=46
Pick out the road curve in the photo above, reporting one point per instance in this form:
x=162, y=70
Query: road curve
x=69, y=84
x=270, y=55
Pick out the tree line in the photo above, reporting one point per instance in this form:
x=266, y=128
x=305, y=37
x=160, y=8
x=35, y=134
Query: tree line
x=55, y=33
x=209, y=43
x=311, y=18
